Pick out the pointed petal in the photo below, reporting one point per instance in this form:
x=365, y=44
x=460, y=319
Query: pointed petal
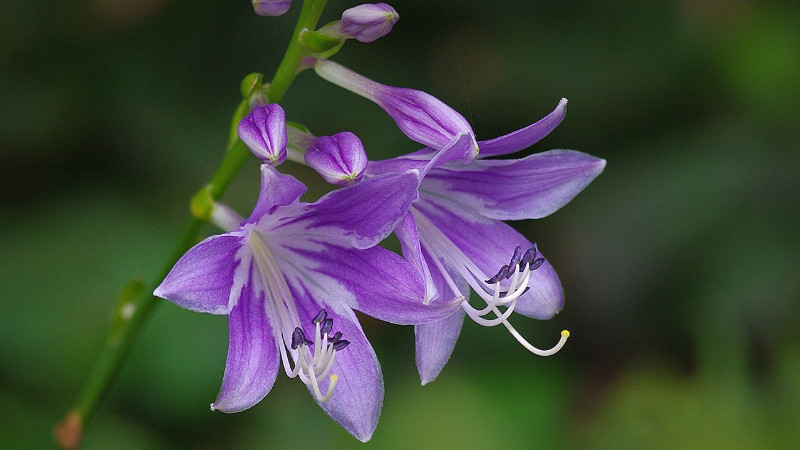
x=253, y=355
x=435, y=343
x=205, y=277
x=359, y=216
x=489, y=244
x=515, y=189
x=375, y=281
x=408, y=236
x=277, y=189
x=358, y=395
x=525, y=137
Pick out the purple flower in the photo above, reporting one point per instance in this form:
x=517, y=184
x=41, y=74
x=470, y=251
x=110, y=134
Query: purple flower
x=419, y=115
x=271, y=7
x=367, y=22
x=289, y=278
x=455, y=237
x=339, y=159
x=264, y=133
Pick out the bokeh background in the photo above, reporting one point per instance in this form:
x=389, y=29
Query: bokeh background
x=680, y=262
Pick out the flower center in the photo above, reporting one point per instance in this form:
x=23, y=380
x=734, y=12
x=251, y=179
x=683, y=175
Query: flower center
x=311, y=359
x=499, y=291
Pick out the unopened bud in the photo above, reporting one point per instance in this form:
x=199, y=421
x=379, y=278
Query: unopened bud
x=339, y=159
x=368, y=22
x=264, y=133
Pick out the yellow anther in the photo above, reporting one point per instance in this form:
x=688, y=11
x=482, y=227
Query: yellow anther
x=565, y=333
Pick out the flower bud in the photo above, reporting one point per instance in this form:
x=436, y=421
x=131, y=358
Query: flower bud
x=339, y=159
x=368, y=22
x=271, y=7
x=264, y=133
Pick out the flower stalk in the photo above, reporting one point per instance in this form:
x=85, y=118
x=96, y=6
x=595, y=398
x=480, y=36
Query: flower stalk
x=136, y=305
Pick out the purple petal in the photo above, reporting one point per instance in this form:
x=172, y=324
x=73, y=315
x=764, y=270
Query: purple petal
x=435, y=341
x=358, y=396
x=423, y=117
x=412, y=161
x=460, y=149
x=375, y=281
x=253, y=355
x=525, y=137
x=408, y=236
x=339, y=159
x=515, y=189
x=489, y=244
x=277, y=189
x=358, y=216
x=203, y=279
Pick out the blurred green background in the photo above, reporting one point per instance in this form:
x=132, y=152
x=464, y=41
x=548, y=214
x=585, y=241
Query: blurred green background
x=680, y=262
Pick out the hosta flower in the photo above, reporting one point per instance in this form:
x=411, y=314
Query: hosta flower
x=455, y=236
x=289, y=278
x=419, y=115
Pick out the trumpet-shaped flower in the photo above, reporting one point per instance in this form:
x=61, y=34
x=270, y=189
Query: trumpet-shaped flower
x=289, y=278
x=455, y=237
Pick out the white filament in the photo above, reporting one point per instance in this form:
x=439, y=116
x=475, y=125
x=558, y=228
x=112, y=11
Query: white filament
x=441, y=248
x=310, y=366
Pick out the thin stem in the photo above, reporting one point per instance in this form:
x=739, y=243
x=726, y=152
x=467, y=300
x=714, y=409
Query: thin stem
x=287, y=70
x=130, y=319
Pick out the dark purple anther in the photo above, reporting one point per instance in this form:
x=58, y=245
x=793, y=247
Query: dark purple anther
x=298, y=338
x=537, y=263
x=321, y=315
x=527, y=257
x=340, y=344
x=516, y=257
x=336, y=337
x=327, y=325
x=502, y=274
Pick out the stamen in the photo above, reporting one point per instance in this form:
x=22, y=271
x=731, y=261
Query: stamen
x=299, y=339
x=536, y=263
x=321, y=315
x=502, y=274
x=311, y=361
x=340, y=344
x=518, y=272
x=327, y=325
x=516, y=257
x=529, y=256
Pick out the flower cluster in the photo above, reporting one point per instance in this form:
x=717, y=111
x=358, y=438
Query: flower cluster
x=290, y=275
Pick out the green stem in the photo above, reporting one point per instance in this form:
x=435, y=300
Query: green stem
x=133, y=310
x=287, y=70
